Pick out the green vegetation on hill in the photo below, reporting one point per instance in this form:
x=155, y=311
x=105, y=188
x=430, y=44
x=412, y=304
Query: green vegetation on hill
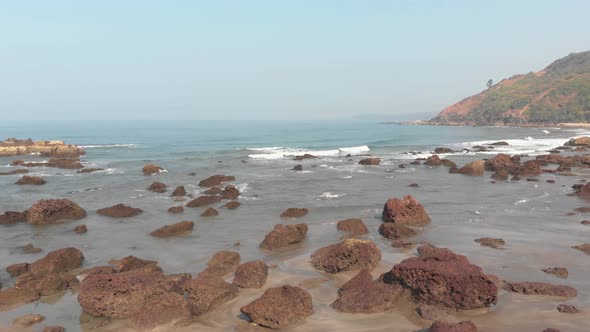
x=560, y=93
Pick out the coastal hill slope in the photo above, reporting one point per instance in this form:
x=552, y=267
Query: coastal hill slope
x=557, y=94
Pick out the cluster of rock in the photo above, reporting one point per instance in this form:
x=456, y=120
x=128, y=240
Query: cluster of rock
x=14, y=147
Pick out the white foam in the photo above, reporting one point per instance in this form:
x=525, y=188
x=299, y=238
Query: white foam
x=329, y=195
x=277, y=152
x=546, y=131
x=527, y=145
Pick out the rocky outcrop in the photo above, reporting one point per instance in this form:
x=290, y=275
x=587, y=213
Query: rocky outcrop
x=353, y=226
x=529, y=168
x=251, y=274
x=203, y=201
x=362, y=294
x=439, y=276
x=294, y=213
x=32, y=180
x=58, y=261
x=350, y=254
x=206, y=294
x=370, y=161
x=559, y=272
x=14, y=147
x=12, y=217
x=176, y=209
x=284, y=235
x=151, y=169
x=49, y=211
x=305, y=156
x=501, y=162
x=585, y=248
x=463, y=326
x=210, y=212
x=232, y=205
x=179, y=192
x=230, y=192
x=541, y=288
x=474, y=168
x=490, y=242
x=215, y=180
x=221, y=264
x=433, y=160
x=579, y=141
x=158, y=187
x=280, y=307
x=443, y=150
x=406, y=211
x=119, y=211
x=177, y=229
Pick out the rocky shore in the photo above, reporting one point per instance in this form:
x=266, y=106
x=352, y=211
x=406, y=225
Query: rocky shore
x=16, y=147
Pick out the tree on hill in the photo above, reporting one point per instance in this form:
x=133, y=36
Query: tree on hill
x=490, y=83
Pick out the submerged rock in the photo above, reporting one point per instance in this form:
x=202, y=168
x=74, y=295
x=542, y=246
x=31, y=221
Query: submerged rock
x=232, y=205
x=49, y=211
x=251, y=274
x=179, y=191
x=206, y=294
x=353, y=226
x=350, y=254
x=62, y=260
x=560, y=272
x=362, y=294
x=158, y=187
x=443, y=150
x=216, y=180
x=395, y=231
x=294, y=213
x=31, y=180
x=119, y=211
x=541, y=288
x=407, y=211
x=11, y=298
x=174, y=229
x=463, y=326
x=203, y=201
x=474, y=168
x=433, y=160
x=490, y=242
x=568, y=309
x=151, y=169
x=280, y=307
x=370, y=161
x=221, y=264
x=12, y=217
x=210, y=212
x=305, y=156
x=230, y=192
x=28, y=320
x=284, y=235
x=81, y=229
x=585, y=248
x=176, y=209
x=131, y=263
x=297, y=168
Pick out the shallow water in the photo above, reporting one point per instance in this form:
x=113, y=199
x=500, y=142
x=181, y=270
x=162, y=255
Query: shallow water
x=529, y=216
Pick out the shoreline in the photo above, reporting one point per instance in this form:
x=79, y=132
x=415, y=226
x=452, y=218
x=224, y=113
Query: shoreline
x=470, y=124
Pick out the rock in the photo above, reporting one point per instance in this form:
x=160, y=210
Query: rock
x=230, y=192
x=160, y=310
x=251, y=274
x=213, y=191
x=13, y=147
x=15, y=171
x=529, y=168
x=32, y=180
x=280, y=307
x=414, y=185
x=123, y=295
x=579, y=141
x=350, y=254
x=541, y=288
x=215, y=180
x=49, y=211
x=284, y=235
x=210, y=212
x=550, y=181
x=551, y=330
x=370, y=161
x=90, y=170
x=11, y=298
x=17, y=269
x=500, y=175
x=206, y=294
x=515, y=178
x=119, y=211
x=585, y=222
x=443, y=150
x=176, y=209
x=66, y=163
x=203, y=201
x=433, y=161
x=28, y=320
x=500, y=143
x=353, y=226
x=474, y=168
x=30, y=249
x=54, y=328
x=448, y=163
x=174, y=229
x=221, y=264
x=463, y=326
x=151, y=169
x=179, y=191
x=439, y=276
x=42, y=284
x=415, y=162
x=131, y=263
x=62, y=260
x=560, y=272
x=406, y=211
x=80, y=229
x=362, y=294
x=12, y=217
x=297, y=168
x=305, y=156
x=294, y=213
x=583, y=190
x=568, y=309
x=490, y=242
x=394, y=231
x=232, y=205
x=157, y=187
x=585, y=248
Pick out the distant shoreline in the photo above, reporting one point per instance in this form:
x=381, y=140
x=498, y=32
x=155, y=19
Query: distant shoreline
x=462, y=124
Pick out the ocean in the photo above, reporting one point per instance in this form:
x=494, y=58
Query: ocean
x=529, y=216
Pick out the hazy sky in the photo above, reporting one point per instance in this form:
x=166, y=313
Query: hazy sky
x=269, y=59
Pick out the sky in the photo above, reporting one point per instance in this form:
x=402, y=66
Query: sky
x=275, y=60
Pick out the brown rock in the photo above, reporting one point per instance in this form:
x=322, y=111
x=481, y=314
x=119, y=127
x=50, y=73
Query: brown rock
x=353, y=226
x=433, y=160
x=42, y=284
x=210, y=212
x=15, y=171
x=203, y=201
x=11, y=298
x=585, y=248
x=28, y=320
x=529, y=168
x=490, y=242
x=160, y=310
x=500, y=143
x=280, y=307
x=251, y=274
x=151, y=169
x=584, y=209
x=541, y=288
x=501, y=162
x=414, y=185
x=579, y=141
x=294, y=213
x=568, y=309
x=17, y=269
x=284, y=235
x=500, y=175
x=395, y=231
x=90, y=170
x=12, y=217
x=174, y=229
x=363, y=295
x=157, y=187
x=464, y=326
x=415, y=162
x=179, y=191
x=443, y=150
x=232, y=205
x=585, y=222
x=62, y=260
x=370, y=161
x=297, y=168
x=230, y=192
x=206, y=294
x=30, y=249
x=305, y=156
x=119, y=211
x=221, y=264
x=32, y=180
x=54, y=328
x=439, y=276
x=131, y=263
x=213, y=191
x=551, y=330
x=350, y=254
x=474, y=168
x=215, y=180
x=80, y=229
x=407, y=211
x=176, y=209
x=448, y=163
x=49, y=211
x=560, y=272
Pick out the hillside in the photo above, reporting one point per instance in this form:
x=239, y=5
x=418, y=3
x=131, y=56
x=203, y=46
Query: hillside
x=556, y=94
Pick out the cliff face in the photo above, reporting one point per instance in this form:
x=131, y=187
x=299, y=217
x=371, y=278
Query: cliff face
x=559, y=93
